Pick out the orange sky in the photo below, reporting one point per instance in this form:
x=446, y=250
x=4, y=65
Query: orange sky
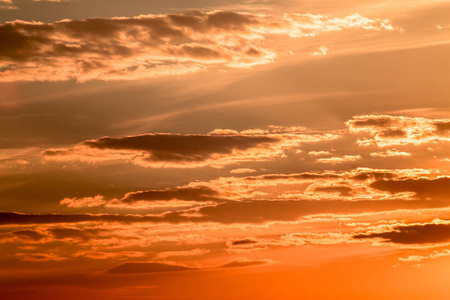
x=238, y=149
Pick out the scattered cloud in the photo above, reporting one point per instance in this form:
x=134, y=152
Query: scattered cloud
x=124, y=48
x=386, y=131
x=390, y=153
x=7, y=5
x=323, y=50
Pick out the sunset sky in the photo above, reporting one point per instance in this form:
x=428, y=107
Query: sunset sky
x=225, y=149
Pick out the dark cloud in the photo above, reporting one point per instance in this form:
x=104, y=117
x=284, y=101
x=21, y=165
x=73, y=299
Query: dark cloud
x=29, y=234
x=439, y=187
x=413, y=234
x=138, y=267
x=18, y=218
x=243, y=242
x=373, y=175
x=162, y=148
x=201, y=193
x=253, y=212
x=373, y=121
x=442, y=127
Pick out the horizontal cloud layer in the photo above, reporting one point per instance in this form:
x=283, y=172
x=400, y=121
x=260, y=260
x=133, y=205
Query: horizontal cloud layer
x=218, y=148
x=152, y=45
x=140, y=267
x=413, y=234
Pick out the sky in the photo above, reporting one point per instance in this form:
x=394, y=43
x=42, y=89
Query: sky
x=234, y=149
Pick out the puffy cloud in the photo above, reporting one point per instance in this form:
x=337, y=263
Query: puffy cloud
x=323, y=50
x=385, y=130
x=84, y=202
x=215, y=149
x=151, y=45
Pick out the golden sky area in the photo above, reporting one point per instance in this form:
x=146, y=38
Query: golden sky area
x=233, y=149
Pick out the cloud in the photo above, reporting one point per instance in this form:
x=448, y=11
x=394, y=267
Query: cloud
x=439, y=187
x=419, y=258
x=244, y=262
x=29, y=234
x=72, y=233
x=318, y=153
x=166, y=150
x=24, y=235
x=390, y=153
x=183, y=196
x=242, y=171
x=243, y=242
x=123, y=48
x=84, y=202
x=7, y=5
x=216, y=149
x=339, y=159
x=198, y=193
x=343, y=191
x=385, y=130
x=193, y=252
x=153, y=267
x=140, y=267
x=430, y=233
x=244, y=212
x=328, y=185
x=323, y=50
x=39, y=257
